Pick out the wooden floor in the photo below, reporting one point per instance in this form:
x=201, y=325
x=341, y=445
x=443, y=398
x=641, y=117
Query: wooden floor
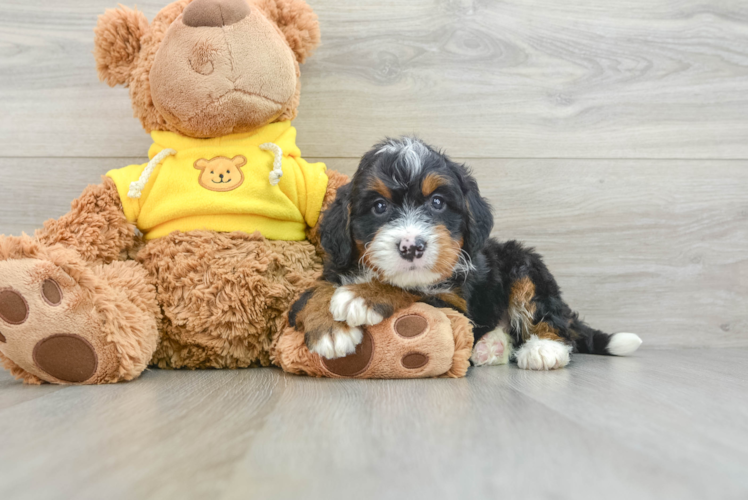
x=662, y=424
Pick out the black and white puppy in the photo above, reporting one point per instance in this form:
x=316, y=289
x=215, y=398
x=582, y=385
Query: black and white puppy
x=412, y=226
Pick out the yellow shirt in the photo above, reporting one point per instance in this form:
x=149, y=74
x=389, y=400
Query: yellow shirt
x=225, y=184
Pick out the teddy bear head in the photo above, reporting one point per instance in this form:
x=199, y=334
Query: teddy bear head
x=208, y=68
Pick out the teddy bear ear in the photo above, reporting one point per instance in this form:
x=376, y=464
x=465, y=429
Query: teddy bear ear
x=117, y=43
x=239, y=161
x=297, y=21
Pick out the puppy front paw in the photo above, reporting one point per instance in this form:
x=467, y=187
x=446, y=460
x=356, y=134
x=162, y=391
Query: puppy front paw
x=337, y=343
x=347, y=307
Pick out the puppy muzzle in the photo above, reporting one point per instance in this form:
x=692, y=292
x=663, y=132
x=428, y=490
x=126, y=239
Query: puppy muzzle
x=411, y=248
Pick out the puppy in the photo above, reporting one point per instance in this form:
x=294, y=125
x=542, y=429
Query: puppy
x=412, y=226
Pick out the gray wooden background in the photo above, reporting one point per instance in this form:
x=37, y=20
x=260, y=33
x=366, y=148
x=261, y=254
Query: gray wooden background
x=611, y=135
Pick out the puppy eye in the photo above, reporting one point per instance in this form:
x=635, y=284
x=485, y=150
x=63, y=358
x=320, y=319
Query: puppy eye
x=380, y=207
x=438, y=203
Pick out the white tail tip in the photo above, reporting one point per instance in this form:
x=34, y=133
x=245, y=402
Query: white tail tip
x=623, y=344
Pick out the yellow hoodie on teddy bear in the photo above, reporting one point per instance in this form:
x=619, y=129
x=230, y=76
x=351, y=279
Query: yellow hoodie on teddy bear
x=240, y=182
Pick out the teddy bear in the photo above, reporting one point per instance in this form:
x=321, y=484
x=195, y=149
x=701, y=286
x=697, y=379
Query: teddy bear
x=194, y=258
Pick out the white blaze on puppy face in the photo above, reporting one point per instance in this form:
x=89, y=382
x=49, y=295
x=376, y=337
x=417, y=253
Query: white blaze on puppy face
x=409, y=151
x=384, y=254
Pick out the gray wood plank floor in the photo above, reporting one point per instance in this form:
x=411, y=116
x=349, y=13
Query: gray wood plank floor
x=661, y=424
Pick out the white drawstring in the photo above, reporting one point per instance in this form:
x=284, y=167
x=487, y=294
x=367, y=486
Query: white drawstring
x=137, y=187
x=277, y=172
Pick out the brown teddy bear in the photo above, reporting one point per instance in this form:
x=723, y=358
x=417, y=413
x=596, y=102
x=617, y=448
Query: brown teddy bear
x=193, y=259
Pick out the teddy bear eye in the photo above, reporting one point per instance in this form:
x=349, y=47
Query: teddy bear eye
x=228, y=171
x=212, y=172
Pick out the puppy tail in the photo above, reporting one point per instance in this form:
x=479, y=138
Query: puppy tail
x=591, y=341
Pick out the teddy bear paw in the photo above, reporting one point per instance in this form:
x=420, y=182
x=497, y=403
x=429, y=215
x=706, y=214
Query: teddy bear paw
x=415, y=342
x=48, y=328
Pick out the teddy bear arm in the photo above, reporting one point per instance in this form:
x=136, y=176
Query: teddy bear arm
x=95, y=226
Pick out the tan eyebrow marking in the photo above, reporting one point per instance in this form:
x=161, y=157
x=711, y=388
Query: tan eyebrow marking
x=380, y=187
x=431, y=182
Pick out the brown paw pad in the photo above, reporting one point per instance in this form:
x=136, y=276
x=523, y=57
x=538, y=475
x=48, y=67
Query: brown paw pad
x=353, y=364
x=13, y=307
x=411, y=326
x=66, y=357
x=414, y=360
x=51, y=292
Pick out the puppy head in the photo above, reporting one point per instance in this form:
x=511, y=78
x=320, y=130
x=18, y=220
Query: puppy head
x=411, y=215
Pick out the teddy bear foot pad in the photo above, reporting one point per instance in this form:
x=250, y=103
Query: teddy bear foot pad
x=47, y=326
x=418, y=342
x=57, y=329
x=44, y=330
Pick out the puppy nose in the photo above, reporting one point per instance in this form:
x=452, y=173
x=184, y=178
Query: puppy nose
x=215, y=13
x=411, y=248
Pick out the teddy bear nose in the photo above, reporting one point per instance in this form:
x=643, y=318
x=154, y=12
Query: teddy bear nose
x=215, y=13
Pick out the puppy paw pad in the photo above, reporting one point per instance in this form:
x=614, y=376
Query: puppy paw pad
x=481, y=354
x=490, y=349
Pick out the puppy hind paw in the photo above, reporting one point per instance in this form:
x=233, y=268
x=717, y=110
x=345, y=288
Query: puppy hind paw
x=542, y=354
x=492, y=349
x=348, y=308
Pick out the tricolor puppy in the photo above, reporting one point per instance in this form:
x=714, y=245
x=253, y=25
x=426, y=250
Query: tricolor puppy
x=412, y=226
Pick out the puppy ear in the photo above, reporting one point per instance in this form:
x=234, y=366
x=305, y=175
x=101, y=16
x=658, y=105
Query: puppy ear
x=480, y=217
x=481, y=221
x=335, y=231
x=117, y=43
x=298, y=23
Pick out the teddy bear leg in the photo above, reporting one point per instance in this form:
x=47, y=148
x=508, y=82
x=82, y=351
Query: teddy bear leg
x=224, y=296
x=64, y=322
x=418, y=341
